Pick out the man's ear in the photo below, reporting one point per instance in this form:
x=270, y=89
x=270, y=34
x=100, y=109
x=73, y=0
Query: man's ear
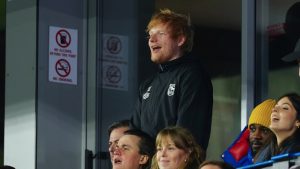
x=144, y=159
x=298, y=124
x=181, y=39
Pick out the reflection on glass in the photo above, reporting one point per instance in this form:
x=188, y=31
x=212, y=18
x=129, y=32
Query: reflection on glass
x=282, y=32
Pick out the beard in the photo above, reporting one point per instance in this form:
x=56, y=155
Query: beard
x=255, y=146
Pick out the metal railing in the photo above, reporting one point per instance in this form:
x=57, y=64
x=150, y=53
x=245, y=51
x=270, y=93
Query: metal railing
x=283, y=161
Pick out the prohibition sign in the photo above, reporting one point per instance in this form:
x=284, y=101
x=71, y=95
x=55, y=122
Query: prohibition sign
x=114, y=45
x=62, y=67
x=63, y=38
x=113, y=74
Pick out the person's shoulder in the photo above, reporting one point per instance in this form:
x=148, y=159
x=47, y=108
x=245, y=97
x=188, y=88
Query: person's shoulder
x=146, y=82
x=149, y=79
x=295, y=148
x=193, y=67
x=192, y=63
x=263, y=154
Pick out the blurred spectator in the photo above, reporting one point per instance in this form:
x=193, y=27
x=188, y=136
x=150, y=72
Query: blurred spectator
x=294, y=56
x=284, y=44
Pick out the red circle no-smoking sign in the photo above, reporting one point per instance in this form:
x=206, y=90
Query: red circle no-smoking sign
x=62, y=68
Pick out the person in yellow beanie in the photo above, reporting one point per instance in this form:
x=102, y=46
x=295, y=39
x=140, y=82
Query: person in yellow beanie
x=258, y=124
x=254, y=136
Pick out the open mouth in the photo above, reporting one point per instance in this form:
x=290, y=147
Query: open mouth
x=275, y=119
x=117, y=161
x=256, y=144
x=155, y=48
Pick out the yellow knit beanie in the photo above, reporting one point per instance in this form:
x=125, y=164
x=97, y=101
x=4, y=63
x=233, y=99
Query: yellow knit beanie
x=261, y=114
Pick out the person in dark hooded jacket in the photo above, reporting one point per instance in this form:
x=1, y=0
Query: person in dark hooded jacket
x=181, y=93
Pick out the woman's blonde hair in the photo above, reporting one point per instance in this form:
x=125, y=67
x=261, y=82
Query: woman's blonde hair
x=183, y=139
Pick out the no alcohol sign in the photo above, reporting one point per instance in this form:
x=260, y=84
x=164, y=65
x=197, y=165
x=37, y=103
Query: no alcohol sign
x=63, y=38
x=63, y=47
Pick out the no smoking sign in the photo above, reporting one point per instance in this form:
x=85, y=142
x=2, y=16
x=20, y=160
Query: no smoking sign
x=113, y=74
x=63, y=68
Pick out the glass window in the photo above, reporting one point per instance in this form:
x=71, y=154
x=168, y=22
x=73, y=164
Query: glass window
x=280, y=31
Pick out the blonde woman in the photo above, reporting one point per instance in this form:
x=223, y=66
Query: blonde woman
x=176, y=148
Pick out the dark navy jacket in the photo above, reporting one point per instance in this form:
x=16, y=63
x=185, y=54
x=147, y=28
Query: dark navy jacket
x=180, y=94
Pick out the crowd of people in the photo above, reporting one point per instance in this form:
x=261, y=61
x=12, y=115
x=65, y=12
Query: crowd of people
x=170, y=126
x=171, y=123
x=273, y=129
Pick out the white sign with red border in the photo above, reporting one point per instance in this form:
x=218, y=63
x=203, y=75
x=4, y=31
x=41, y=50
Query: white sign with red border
x=63, y=46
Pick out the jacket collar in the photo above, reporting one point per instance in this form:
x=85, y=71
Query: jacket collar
x=163, y=67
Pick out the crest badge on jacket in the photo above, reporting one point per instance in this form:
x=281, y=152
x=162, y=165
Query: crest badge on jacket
x=171, y=90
